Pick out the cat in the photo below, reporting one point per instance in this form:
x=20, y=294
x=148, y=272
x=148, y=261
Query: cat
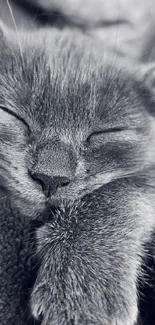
x=77, y=152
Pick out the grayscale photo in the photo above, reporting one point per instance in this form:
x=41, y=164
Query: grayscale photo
x=77, y=162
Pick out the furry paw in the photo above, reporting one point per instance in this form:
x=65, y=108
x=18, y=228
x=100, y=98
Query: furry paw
x=43, y=307
x=82, y=288
x=39, y=301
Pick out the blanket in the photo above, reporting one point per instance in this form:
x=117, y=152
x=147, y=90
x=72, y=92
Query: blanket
x=17, y=265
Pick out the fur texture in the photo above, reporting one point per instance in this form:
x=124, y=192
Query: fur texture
x=77, y=139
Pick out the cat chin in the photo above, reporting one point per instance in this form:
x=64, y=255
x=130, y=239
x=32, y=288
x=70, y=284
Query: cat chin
x=35, y=204
x=75, y=191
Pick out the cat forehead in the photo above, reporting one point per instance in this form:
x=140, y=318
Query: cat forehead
x=59, y=80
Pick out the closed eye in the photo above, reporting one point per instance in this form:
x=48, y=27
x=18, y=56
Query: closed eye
x=7, y=110
x=109, y=130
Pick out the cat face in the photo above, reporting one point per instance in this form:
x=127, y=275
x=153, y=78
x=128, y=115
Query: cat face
x=70, y=121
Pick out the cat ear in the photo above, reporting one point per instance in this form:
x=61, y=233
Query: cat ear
x=4, y=37
x=2, y=31
x=147, y=73
x=7, y=37
x=6, y=34
x=147, y=80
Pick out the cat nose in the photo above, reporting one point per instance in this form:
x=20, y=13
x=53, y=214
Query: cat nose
x=50, y=184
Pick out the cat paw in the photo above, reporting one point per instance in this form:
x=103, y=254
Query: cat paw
x=39, y=299
x=41, y=307
x=129, y=319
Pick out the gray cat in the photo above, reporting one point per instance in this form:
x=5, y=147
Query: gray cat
x=77, y=146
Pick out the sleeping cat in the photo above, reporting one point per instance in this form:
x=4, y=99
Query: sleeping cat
x=77, y=139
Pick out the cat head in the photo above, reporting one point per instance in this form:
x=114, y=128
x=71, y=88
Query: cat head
x=71, y=118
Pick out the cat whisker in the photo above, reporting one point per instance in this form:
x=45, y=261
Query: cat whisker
x=2, y=198
x=16, y=29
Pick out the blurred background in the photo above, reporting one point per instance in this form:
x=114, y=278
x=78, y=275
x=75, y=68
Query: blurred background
x=123, y=24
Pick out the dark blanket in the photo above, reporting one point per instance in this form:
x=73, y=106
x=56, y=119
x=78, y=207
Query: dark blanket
x=17, y=266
